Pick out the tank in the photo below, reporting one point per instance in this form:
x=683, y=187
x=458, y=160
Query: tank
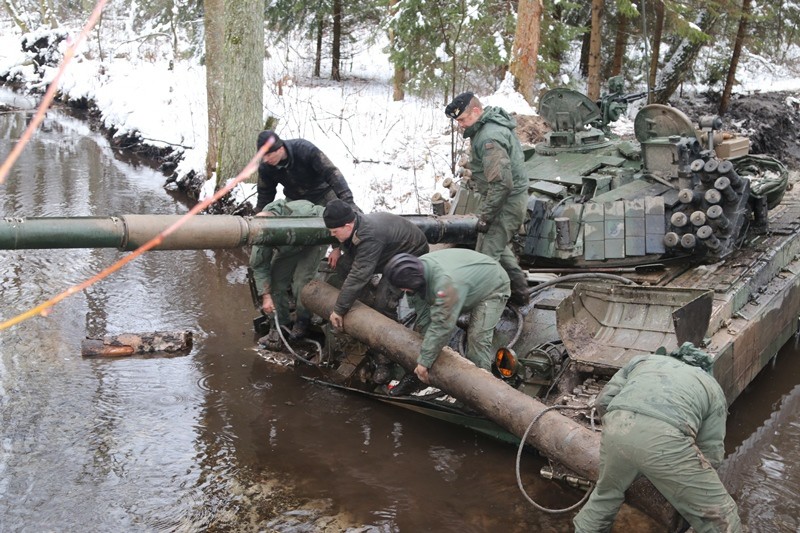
x=630, y=246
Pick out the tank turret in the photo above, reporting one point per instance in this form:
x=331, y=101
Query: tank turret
x=679, y=190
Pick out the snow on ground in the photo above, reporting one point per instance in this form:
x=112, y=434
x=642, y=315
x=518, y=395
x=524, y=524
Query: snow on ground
x=393, y=154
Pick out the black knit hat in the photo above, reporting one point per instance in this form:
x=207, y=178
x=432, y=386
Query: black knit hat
x=337, y=213
x=458, y=105
x=405, y=271
x=264, y=136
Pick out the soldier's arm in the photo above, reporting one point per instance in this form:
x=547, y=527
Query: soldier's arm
x=333, y=176
x=261, y=263
x=497, y=169
x=364, y=264
x=266, y=188
x=711, y=434
x=443, y=315
x=615, y=385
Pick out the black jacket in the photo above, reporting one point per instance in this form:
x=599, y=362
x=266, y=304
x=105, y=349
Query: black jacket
x=306, y=174
x=376, y=238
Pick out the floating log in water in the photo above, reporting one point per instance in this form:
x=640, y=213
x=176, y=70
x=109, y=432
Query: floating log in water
x=137, y=343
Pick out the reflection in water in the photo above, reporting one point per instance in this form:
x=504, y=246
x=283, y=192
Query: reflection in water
x=222, y=439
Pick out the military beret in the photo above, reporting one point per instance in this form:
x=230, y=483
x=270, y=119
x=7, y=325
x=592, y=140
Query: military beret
x=458, y=105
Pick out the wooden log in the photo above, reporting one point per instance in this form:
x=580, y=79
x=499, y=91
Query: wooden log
x=555, y=436
x=137, y=343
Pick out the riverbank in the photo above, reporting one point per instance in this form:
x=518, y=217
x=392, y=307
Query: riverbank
x=393, y=154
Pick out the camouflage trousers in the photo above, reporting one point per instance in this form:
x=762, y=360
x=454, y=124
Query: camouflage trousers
x=294, y=270
x=496, y=241
x=482, y=321
x=634, y=445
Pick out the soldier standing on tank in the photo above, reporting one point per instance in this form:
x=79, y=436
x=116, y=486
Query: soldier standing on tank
x=278, y=269
x=496, y=165
x=304, y=170
x=663, y=418
x=442, y=285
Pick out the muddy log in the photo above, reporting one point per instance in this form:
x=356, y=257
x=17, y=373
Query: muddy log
x=554, y=435
x=137, y=343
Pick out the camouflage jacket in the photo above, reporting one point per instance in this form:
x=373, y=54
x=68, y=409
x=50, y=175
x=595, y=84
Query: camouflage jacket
x=456, y=280
x=496, y=160
x=669, y=390
x=261, y=256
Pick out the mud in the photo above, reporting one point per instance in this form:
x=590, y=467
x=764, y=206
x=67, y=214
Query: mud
x=771, y=120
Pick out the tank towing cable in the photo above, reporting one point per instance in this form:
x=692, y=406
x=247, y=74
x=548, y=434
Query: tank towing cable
x=303, y=360
x=519, y=457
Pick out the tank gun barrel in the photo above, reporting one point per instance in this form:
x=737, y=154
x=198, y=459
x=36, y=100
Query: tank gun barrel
x=128, y=232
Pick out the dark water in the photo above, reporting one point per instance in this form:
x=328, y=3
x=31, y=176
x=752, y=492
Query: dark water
x=223, y=439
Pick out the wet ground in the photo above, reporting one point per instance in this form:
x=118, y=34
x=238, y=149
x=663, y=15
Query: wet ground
x=223, y=438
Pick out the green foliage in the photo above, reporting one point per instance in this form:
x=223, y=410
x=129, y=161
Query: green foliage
x=563, y=22
x=447, y=46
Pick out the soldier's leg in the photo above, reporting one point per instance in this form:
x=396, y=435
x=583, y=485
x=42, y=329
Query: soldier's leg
x=282, y=272
x=689, y=482
x=618, y=469
x=307, y=266
x=482, y=321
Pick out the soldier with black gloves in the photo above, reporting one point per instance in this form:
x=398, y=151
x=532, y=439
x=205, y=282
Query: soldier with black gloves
x=304, y=171
x=496, y=165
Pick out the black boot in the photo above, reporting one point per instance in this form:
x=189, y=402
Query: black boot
x=520, y=293
x=409, y=384
x=299, y=330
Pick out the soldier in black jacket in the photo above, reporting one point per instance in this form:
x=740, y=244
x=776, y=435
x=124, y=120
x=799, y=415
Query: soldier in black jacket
x=367, y=244
x=303, y=170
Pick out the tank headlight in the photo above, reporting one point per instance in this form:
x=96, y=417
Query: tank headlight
x=505, y=363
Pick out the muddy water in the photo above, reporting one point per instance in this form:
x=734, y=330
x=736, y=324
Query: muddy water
x=223, y=439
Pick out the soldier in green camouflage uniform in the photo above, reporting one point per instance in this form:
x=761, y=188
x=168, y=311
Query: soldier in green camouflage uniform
x=276, y=269
x=442, y=285
x=496, y=165
x=665, y=420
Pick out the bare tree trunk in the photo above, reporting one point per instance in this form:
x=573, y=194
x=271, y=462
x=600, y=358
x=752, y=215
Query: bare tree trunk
x=214, y=19
x=620, y=42
x=525, y=50
x=593, y=79
x=583, y=63
x=658, y=32
x=399, y=79
x=318, y=51
x=682, y=59
x=737, y=51
x=243, y=68
x=336, y=49
x=13, y=11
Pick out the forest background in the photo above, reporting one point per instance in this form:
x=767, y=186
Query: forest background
x=367, y=81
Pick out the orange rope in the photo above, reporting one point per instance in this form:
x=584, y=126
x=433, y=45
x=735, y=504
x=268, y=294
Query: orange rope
x=50, y=94
x=44, y=308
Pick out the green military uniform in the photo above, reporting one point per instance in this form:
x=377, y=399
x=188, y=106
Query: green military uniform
x=458, y=280
x=275, y=269
x=665, y=420
x=496, y=165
